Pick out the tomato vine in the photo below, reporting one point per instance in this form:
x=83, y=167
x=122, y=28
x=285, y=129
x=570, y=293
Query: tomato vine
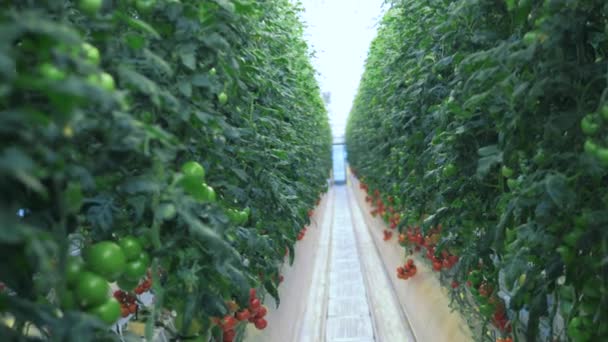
x=487, y=117
x=195, y=126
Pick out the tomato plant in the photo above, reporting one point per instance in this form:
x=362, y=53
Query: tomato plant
x=151, y=119
x=490, y=119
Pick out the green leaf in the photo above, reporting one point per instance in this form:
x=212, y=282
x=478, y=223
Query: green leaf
x=73, y=197
x=557, y=187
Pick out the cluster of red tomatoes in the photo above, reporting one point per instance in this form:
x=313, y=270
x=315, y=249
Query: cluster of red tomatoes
x=489, y=304
x=254, y=314
x=301, y=234
x=388, y=213
x=128, y=302
x=144, y=286
x=406, y=271
x=413, y=235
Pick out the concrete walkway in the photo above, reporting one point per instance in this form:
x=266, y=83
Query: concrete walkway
x=348, y=313
x=352, y=299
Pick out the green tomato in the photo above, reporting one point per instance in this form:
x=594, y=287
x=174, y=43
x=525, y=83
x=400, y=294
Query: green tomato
x=166, y=211
x=506, y=171
x=193, y=169
x=135, y=270
x=209, y=195
x=512, y=183
x=108, y=312
x=590, y=147
x=90, y=6
x=51, y=72
x=130, y=247
x=74, y=266
x=92, y=290
x=242, y=216
x=145, y=5
x=195, y=188
x=449, y=170
x=212, y=72
x=106, y=81
x=144, y=258
x=106, y=259
x=589, y=125
x=223, y=98
x=91, y=53
x=602, y=155
x=530, y=38
x=232, y=216
x=486, y=309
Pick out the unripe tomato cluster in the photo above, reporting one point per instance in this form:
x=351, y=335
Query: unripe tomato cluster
x=104, y=262
x=596, y=144
x=193, y=183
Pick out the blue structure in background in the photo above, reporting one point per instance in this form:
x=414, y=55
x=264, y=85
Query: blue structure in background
x=339, y=163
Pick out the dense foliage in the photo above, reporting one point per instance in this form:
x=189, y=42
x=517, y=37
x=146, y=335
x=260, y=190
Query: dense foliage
x=102, y=104
x=486, y=124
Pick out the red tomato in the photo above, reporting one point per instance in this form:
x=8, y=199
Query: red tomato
x=243, y=315
x=261, y=323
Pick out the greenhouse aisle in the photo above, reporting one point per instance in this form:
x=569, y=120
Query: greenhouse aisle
x=348, y=312
x=358, y=305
